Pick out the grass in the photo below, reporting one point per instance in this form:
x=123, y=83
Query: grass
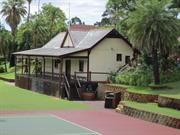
x=14, y=98
x=9, y=74
x=152, y=107
x=174, y=92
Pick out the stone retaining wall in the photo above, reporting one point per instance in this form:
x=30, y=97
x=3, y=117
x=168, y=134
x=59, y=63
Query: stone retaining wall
x=169, y=102
x=149, y=116
x=138, y=97
x=43, y=86
x=116, y=89
x=126, y=95
x=7, y=80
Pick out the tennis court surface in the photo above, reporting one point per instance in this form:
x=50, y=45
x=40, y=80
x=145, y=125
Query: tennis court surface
x=41, y=125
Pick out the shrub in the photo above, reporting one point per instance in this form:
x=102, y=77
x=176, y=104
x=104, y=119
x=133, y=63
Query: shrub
x=136, y=77
x=170, y=76
x=2, y=70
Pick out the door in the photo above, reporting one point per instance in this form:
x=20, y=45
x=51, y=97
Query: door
x=127, y=59
x=68, y=69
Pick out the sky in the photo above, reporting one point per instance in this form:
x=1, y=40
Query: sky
x=89, y=11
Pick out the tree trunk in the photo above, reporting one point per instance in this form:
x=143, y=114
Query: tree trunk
x=156, y=66
x=5, y=62
x=29, y=10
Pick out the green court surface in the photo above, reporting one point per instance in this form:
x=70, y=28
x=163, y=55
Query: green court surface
x=40, y=125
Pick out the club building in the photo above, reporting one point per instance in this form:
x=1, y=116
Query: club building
x=82, y=53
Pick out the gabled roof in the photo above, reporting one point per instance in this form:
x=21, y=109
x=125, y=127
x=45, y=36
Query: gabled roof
x=83, y=38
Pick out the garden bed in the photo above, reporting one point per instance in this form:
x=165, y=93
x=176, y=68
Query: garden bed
x=169, y=102
x=151, y=112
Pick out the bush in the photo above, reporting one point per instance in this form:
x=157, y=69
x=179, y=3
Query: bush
x=172, y=76
x=135, y=77
x=2, y=70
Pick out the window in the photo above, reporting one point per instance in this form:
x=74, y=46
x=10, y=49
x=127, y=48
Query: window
x=56, y=63
x=119, y=57
x=81, y=65
x=127, y=59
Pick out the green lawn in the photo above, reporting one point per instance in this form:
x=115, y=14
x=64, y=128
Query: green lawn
x=152, y=107
x=174, y=92
x=14, y=98
x=9, y=75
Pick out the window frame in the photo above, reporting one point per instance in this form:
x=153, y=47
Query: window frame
x=81, y=65
x=119, y=57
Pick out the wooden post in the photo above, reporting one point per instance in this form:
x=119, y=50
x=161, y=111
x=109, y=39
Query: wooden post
x=15, y=66
x=44, y=66
x=22, y=66
x=88, y=75
x=36, y=64
x=52, y=68
x=29, y=64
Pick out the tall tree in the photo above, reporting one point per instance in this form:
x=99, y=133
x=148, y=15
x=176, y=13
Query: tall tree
x=13, y=11
x=116, y=13
x=4, y=44
x=29, y=9
x=54, y=17
x=154, y=29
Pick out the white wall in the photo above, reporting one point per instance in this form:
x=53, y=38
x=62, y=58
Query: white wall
x=68, y=42
x=103, y=56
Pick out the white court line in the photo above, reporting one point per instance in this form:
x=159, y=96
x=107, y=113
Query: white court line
x=57, y=117
x=77, y=134
x=93, y=132
x=23, y=116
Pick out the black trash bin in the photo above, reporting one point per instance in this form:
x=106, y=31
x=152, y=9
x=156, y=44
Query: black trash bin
x=112, y=99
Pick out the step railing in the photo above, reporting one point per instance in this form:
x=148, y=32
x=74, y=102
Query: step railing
x=78, y=86
x=67, y=86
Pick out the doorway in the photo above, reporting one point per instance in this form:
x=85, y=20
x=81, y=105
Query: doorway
x=68, y=69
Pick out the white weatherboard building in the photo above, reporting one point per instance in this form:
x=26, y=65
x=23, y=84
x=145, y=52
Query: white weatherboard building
x=83, y=53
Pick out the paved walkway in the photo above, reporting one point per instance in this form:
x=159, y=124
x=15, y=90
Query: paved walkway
x=105, y=121
x=108, y=122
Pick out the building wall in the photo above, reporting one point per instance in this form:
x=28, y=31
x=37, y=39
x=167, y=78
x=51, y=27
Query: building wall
x=68, y=42
x=102, y=59
x=103, y=56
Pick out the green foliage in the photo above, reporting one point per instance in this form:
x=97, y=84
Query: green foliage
x=13, y=11
x=76, y=20
x=135, y=77
x=2, y=70
x=171, y=76
x=154, y=30
x=41, y=27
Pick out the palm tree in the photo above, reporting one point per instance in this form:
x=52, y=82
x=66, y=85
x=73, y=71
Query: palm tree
x=13, y=11
x=153, y=29
x=39, y=32
x=4, y=42
x=29, y=9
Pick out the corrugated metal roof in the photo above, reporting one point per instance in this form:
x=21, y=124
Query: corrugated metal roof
x=82, y=40
x=48, y=52
x=93, y=37
x=56, y=41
